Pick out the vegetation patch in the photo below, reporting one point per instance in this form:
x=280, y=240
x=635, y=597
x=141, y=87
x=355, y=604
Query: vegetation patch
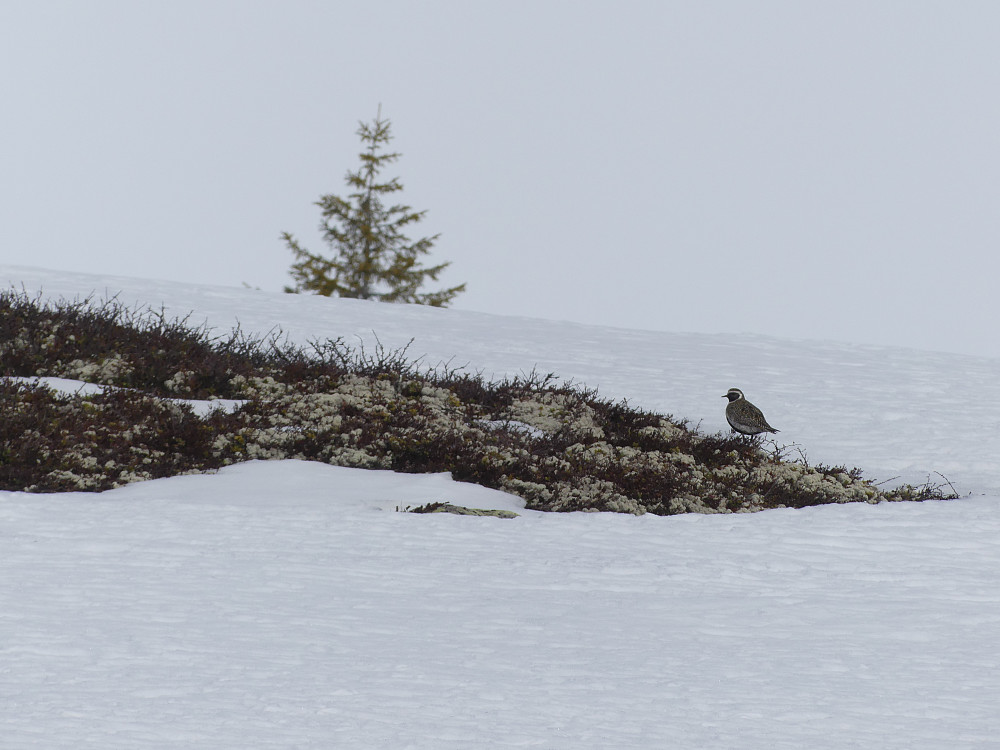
x=559, y=446
x=460, y=510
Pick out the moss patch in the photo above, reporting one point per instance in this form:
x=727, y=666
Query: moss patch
x=559, y=446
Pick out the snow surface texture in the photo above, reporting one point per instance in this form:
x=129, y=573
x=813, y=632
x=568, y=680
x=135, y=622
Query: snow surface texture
x=287, y=605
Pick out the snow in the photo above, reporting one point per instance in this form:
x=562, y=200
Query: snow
x=79, y=388
x=289, y=605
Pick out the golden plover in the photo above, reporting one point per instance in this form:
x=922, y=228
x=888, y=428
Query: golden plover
x=743, y=416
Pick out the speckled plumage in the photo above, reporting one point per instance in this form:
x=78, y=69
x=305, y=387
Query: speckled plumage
x=743, y=416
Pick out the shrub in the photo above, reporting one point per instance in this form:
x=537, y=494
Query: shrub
x=559, y=446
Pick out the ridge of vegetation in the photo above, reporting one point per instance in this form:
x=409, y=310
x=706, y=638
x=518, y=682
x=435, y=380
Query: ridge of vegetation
x=559, y=446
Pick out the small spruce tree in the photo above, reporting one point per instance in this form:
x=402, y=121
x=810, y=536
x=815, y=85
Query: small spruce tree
x=372, y=258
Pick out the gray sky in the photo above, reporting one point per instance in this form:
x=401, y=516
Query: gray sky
x=805, y=169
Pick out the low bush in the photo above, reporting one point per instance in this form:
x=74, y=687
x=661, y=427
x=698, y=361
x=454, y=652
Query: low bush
x=559, y=446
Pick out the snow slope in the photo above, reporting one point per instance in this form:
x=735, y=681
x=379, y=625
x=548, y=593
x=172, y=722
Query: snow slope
x=288, y=605
x=893, y=412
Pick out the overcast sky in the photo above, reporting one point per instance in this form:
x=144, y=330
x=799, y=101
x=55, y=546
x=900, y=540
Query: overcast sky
x=809, y=169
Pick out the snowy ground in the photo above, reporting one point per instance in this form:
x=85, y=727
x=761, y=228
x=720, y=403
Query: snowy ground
x=289, y=605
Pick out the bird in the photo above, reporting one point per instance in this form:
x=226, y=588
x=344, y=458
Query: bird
x=743, y=416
